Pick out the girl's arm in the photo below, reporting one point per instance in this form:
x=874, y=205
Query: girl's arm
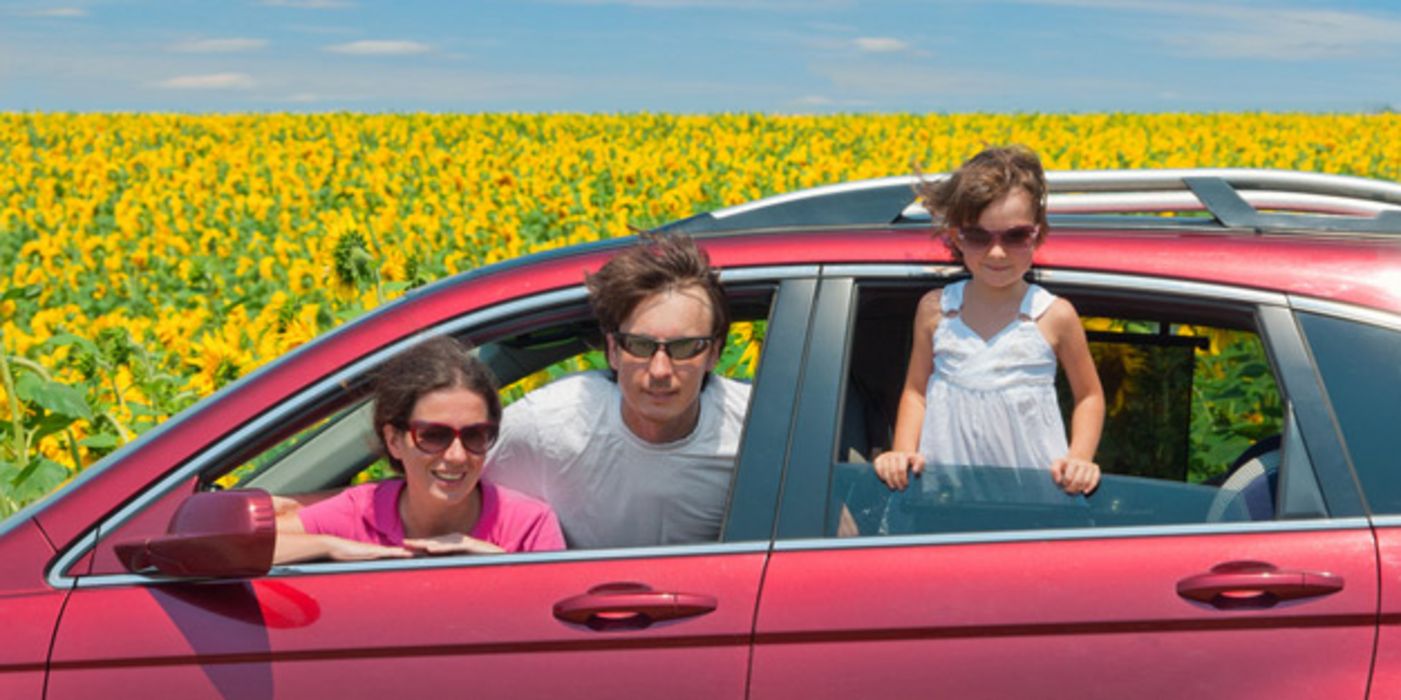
x=893, y=467
x=1077, y=472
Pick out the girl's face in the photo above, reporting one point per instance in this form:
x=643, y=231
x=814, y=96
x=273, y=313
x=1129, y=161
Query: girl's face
x=449, y=476
x=1000, y=260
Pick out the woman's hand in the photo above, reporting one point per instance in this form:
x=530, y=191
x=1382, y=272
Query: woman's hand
x=339, y=549
x=299, y=546
x=1075, y=475
x=455, y=543
x=894, y=468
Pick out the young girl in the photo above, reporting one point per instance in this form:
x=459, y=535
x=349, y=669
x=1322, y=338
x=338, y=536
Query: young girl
x=980, y=388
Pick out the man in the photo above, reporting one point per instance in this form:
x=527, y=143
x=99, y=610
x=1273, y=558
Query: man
x=643, y=454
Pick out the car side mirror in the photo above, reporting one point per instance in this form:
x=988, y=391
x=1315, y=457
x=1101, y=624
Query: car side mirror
x=217, y=534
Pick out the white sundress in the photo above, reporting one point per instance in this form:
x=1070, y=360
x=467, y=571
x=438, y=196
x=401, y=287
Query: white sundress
x=992, y=402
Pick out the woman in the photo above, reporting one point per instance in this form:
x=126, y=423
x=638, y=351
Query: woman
x=436, y=415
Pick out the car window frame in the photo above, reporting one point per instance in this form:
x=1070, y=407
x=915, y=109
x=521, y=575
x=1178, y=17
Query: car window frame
x=792, y=297
x=803, y=517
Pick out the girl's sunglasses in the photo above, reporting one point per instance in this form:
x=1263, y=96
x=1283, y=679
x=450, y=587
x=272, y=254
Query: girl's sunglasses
x=435, y=438
x=979, y=238
x=676, y=348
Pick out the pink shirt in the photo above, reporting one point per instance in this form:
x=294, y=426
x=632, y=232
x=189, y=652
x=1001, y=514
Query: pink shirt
x=370, y=513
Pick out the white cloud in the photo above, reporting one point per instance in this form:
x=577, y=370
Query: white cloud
x=210, y=81
x=380, y=47
x=802, y=5
x=1297, y=35
x=307, y=98
x=59, y=12
x=310, y=4
x=230, y=45
x=866, y=80
x=823, y=101
x=1239, y=30
x=880, y=44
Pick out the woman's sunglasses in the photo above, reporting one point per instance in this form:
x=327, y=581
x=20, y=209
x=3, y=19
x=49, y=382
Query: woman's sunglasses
x=979, y=238
x=676, y=348
x=435, y=438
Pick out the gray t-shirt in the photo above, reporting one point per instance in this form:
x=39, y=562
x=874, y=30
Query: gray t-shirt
x=567, y=445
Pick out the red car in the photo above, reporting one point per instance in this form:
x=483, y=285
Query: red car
x=1245, y=541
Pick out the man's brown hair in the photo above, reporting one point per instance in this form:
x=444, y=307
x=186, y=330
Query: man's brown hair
x=660, y=262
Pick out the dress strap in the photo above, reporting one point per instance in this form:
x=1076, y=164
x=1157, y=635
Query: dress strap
x=1036, y=301
x=951, y=301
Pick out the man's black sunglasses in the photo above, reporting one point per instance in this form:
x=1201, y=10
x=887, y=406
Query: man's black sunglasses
x=676, y=348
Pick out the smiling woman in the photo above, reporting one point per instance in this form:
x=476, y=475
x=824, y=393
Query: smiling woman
x=436, y=414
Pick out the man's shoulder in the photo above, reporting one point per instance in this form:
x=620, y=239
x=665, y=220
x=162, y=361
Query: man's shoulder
x=728, y=388
x=729, y=395
x=565, y=393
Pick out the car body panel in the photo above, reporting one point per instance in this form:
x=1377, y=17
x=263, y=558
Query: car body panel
x=1084, y=618
x=1386, y=674
x=30, y=611
x=486, y=629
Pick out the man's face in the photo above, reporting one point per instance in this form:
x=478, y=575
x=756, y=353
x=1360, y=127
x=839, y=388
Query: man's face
x=661, y=394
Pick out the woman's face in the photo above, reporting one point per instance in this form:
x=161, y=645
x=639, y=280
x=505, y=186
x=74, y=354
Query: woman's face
x=449, y=476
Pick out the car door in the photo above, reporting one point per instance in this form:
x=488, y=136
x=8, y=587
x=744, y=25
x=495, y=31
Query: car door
x=1147, y=588
x=672, y=621
x=1359, y=358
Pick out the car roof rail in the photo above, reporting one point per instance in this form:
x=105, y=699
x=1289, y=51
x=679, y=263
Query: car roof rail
x=1260, y=200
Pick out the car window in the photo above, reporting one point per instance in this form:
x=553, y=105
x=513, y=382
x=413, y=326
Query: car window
x=341, y=449
x=326, y=444
x=1361, y=369
x=1194, y=429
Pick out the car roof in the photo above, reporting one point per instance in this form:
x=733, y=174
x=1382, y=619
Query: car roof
x=1259, y=200
x=1331, y=237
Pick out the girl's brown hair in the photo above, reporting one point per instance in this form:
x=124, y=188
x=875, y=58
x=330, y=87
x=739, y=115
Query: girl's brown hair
x=959, y=199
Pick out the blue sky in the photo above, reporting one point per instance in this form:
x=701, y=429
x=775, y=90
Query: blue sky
x=699, y=56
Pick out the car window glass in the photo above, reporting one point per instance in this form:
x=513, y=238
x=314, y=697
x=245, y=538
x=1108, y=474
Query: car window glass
x=1193, y=430
x=1361, y=369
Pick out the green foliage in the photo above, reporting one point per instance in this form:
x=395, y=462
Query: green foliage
x=1235, y=402
x=38, y=407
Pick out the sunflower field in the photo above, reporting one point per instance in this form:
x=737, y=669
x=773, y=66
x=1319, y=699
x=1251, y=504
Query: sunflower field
x=149, y=259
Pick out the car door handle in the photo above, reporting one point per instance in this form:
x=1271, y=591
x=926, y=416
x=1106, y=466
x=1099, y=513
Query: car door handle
x=1255, y=584
x=630, y=606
